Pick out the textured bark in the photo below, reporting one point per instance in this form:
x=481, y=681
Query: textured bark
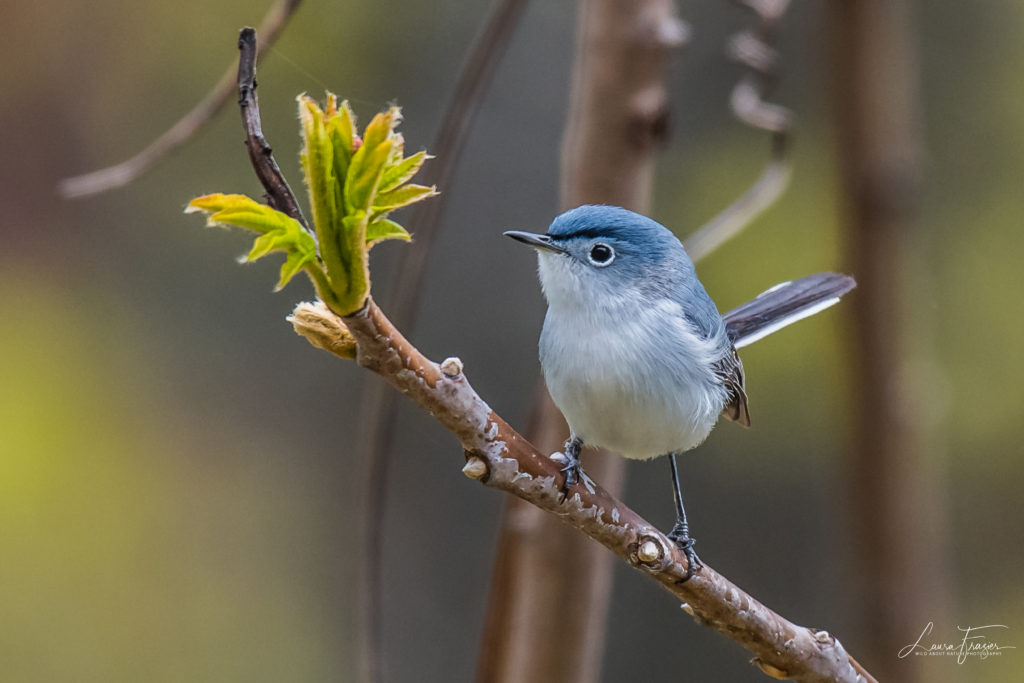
x=617, y=117
x=894, y=496
x=499, y=457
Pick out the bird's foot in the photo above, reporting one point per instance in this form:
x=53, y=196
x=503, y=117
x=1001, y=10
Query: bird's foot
x=680, y=535
x=572, y=468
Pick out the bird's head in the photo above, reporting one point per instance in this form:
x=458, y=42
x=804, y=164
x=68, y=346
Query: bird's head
x=597, y=253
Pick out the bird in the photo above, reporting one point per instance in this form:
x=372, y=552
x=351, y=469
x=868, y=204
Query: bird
x=635, y=353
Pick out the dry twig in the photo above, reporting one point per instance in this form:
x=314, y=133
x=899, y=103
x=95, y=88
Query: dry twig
x=174, y=137
x=276, y=189
x=755, y=49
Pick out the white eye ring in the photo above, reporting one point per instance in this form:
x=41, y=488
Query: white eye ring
x=604, y=256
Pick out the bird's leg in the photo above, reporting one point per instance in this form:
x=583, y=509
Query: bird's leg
x=572, y=467
x=680, y=534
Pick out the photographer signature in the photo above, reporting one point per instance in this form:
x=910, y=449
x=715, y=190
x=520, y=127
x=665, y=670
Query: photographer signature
x=976, y=642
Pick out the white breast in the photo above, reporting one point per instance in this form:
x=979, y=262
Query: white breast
x=631, y=378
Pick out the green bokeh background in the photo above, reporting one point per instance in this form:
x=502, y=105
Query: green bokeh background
x=177, y=480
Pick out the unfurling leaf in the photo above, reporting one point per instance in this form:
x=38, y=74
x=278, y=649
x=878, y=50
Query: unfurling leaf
x=278, y=231
x=318, y=166
x=384, y=229
x=402, y=171
x=342, y=132
x=353, y=182
x=402, y=196
x=365, y=173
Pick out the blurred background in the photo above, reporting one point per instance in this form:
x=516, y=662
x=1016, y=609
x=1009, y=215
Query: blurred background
x=177, y=488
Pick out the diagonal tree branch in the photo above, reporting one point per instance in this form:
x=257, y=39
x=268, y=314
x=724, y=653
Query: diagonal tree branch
x=499, y=457
x=121, y=174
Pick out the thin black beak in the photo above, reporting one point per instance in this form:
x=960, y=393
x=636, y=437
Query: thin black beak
x=537, y=241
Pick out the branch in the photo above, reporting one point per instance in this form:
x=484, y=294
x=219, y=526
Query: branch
x=127, y=171
x=755, y=49
x=276, y=189
x=497, y=456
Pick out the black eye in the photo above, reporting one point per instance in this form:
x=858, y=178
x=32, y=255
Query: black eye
x=601, y=254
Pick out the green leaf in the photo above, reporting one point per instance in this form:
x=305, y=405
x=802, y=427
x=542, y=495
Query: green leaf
x=397, y=148
x=318, y=166
x=291, y=267
x=278, y=231
x=243, y=212
x=341, y=131
x=364, y=175
x=381, y=127
x=384, y=229
x=403, y=171
x=402, y=196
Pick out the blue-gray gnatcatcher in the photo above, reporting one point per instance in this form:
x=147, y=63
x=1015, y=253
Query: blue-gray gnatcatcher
x=634, y=351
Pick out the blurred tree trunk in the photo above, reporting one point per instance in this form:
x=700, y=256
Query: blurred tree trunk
x=895, y=496
x=551, y=585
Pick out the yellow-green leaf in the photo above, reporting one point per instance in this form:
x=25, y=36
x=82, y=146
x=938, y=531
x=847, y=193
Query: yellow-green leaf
x=292, y=265
x=364, y=175
x=318, y=165
x=341, y=130
x=402, y=196
x=380, y=127
x=384, y=229
x=402, y=172
x=278, y=231
x=243, y=212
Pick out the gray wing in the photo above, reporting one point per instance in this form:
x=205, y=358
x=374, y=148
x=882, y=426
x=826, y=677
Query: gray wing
x=730, y=370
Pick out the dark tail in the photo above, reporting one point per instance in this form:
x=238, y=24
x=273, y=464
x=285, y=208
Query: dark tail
x=783, y=305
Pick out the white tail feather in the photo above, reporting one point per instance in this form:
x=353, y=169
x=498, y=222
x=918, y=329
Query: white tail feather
x=788, y=320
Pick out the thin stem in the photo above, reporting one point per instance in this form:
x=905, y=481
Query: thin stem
x=121, y=174
x=279, y=195
x=755, y=49
x=323, y=286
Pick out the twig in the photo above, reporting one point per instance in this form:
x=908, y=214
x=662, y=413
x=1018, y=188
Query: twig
x=496, y=455
x=277, y=192
x=379, y=406
x=755, y=49
x=125, y=172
